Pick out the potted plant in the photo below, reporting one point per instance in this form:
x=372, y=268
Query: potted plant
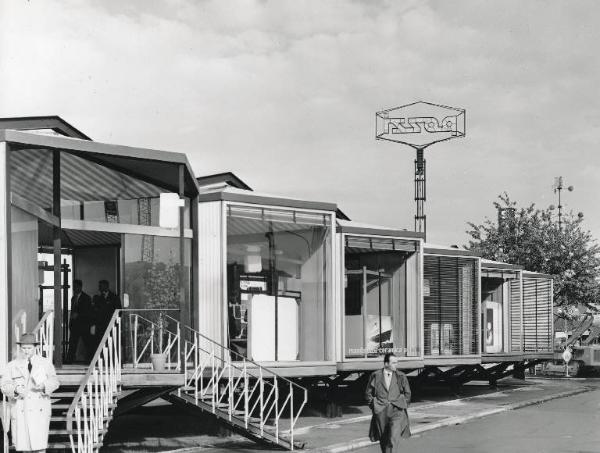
x=162, y=292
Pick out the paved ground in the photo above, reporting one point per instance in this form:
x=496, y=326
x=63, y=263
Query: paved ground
x=560, y=426
x=174, y=431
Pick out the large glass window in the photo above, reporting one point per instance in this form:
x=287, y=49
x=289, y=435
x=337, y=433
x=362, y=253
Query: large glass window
x=278, y=267
x=381, y=312
x=152, y=272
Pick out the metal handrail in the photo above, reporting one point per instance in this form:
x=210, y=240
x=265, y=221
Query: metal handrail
x=5, y=424
x=98, y=390
x=44, y=333
x=172, y=339
x=261, y=397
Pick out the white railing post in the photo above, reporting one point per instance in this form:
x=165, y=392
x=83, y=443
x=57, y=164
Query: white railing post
x=292, y=415
x=135, y=330
x=246, y=414
x=262, y=403
x=5, y=423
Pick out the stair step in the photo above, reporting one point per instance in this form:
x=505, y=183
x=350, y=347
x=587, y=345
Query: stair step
x=66, y=406
x=63, y=394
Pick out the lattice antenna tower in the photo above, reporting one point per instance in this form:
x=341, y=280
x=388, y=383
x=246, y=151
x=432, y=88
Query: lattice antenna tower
x=419, y=125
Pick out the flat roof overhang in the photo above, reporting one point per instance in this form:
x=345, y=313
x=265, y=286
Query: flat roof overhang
x=50, y=122
x=529, y=274
x=433, y=250
x=497, y=265
x=146, y=164
x=373, y=230
x=266, y=200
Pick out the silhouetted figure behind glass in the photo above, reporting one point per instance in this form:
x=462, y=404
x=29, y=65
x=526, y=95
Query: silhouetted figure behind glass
x=104, y=304
x=82, y=316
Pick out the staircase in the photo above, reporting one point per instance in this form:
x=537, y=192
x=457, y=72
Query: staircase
x=82, y=408
x=252, y=400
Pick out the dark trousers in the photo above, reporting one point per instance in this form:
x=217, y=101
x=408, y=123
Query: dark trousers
x=393, y=426
x=83, y=333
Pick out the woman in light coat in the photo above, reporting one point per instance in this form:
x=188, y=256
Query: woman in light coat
x=27, y=382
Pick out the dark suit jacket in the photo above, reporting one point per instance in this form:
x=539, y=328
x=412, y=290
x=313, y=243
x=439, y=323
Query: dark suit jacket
x=379, y=399
x=376, y=393
x=83, y=308
x=104, y=309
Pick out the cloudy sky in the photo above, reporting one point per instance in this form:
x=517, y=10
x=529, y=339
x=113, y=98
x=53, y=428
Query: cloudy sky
x=284, y=93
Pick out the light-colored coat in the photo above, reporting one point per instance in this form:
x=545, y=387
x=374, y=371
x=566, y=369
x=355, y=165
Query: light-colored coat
x=29, y=415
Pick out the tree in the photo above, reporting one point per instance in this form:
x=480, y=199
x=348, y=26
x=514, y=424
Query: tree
x=530, y=237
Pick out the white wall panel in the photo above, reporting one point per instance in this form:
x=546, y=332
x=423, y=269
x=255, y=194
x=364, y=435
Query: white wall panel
x=210, y=271
x=3, y=259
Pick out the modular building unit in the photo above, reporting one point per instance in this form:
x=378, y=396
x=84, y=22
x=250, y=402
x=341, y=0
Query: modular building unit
x=380, y=296
x=451, y=306
x=74, y=209
x=538, y=306
x=501, y=311
x=266, y=278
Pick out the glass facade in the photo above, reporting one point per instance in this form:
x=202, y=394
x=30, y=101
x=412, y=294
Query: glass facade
x=278, y=283
x=142, y=271
x=381, y=308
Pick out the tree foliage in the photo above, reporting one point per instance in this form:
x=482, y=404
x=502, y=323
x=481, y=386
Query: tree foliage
x=531, y=237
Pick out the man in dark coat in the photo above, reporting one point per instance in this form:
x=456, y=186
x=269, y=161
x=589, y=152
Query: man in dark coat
x=388, y=395
x=105, y=303
x=80, y=322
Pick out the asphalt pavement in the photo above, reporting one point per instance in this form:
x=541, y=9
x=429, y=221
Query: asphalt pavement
x=164, y=428
x=565, y=425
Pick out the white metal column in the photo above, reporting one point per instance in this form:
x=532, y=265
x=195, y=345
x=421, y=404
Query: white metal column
x=4, y=300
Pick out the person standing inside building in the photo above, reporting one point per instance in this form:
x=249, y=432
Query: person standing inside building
x=80, y=322
x=388, y=395
x=105, y=303
x=28, y=382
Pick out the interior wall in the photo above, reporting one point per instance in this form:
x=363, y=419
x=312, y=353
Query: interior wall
x=24, y=266
x=92, y=264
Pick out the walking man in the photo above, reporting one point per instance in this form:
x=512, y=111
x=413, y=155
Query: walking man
x=28, y=382
x=388, y=395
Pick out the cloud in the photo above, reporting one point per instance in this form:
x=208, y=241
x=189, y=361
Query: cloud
x=284, y=93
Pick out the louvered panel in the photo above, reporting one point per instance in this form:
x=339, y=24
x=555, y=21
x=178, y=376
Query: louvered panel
x=369, y=243
x=529, y=315
x=450, y=305
x=469, y=302
x=431, y=304
x=544, y=315
x=515, y=316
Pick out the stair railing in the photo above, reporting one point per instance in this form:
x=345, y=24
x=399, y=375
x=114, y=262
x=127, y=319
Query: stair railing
x=5, y=424
x=44, y=334
x=241, y=387
x=92, y=405
x=168, y=346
